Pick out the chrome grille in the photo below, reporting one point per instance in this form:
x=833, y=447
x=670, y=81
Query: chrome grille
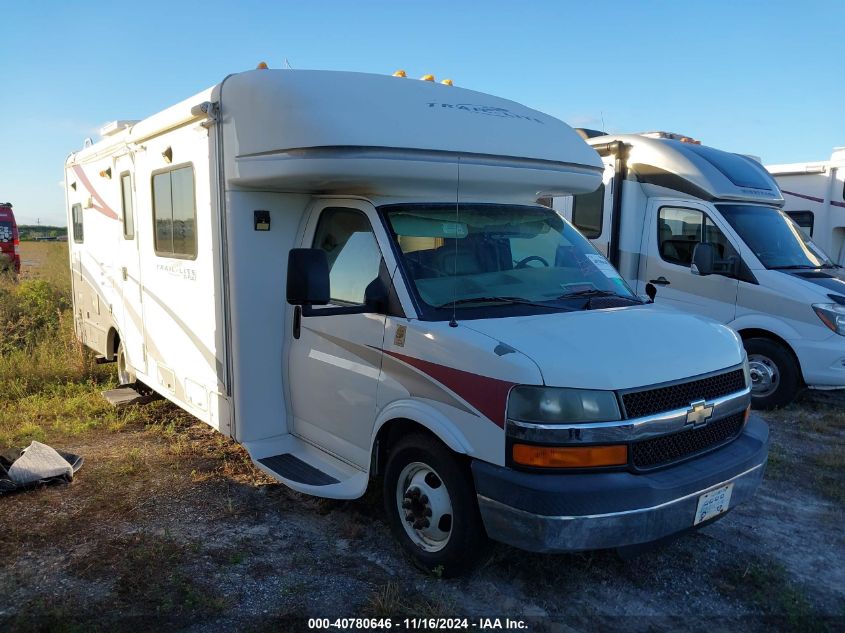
x=650, y=401
x=667, y=449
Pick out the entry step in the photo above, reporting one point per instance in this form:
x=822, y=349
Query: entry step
x=291, y=467
x=124, y=396
x=306, y=468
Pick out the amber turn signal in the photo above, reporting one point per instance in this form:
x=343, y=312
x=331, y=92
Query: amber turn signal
x=570, y=456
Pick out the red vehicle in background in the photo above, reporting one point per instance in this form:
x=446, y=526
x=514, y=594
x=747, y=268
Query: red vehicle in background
x=10, y=258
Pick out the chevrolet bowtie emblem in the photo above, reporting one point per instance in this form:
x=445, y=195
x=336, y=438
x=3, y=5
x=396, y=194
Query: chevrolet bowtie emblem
x=699, y=413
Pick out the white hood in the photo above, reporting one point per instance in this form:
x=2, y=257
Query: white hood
x=619, y=348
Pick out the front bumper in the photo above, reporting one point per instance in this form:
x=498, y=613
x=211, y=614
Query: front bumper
x=572, y=512
x=822, y=362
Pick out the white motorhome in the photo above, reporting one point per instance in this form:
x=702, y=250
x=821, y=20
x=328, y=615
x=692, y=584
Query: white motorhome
x=706, y=228
x=347, y=273
x=815, y=199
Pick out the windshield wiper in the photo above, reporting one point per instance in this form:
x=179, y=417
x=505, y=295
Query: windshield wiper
x=592, y=293
x=802, y=267
x=506, y=300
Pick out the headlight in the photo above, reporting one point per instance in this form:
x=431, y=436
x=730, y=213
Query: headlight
x=832, y=315
x=555, y=405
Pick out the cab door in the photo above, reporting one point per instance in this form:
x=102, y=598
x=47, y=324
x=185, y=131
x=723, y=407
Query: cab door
x=334, y=365
x=130, y=316
x=674, y=228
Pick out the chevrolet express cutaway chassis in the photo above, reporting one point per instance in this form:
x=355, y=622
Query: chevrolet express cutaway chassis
x=348, y=274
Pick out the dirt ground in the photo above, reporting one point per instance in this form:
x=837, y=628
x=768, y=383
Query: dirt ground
x=167, y=524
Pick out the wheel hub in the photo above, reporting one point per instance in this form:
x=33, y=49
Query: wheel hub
x=425, y=506
x=765, y=377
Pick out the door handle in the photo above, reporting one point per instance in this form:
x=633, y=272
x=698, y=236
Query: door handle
x=660, y=281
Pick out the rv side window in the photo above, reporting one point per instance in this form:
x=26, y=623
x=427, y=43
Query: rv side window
x=804, y=219
x=76, y=218
x=175, y=213
x=128, y=211
x=352, y=251
x=587, y=212
x=679, y=230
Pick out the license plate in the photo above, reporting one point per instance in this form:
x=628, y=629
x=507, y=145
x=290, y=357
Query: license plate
x=713, y=503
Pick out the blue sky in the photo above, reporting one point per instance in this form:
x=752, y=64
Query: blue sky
x=763, y=78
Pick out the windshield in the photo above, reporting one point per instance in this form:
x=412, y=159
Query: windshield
x=499, y=257
x=776, y=240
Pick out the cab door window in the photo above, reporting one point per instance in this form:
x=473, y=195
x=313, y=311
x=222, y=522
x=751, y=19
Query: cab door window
x=352, y=252
x=679, y=230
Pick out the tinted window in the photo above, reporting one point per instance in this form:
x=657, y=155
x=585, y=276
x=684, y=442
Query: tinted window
x=774, y=237
x=174, y=213
x=587, y=212
x=679, y=230
x=351, y=249
x=804, y=219
x=741, y=171
x=76, y=221
x=128, y=211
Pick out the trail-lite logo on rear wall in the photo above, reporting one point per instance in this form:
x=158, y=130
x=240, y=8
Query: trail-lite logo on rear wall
x=502, y=113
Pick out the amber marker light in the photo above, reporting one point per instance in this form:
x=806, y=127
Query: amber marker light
x=570, y=456
x=261, y=66
x=747, y=413
x=400, y=73
x=427, y=77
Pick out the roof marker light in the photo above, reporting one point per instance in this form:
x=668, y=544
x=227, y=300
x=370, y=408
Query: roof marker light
x=448, y=82
x=427, y=78
x=261, y=66
x=400, y=73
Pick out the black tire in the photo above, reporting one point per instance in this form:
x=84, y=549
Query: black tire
x=467, y=541
x=783, y=363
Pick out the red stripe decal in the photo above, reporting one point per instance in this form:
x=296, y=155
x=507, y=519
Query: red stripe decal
x=103, y=208
x=488, y=395
x=813, y=198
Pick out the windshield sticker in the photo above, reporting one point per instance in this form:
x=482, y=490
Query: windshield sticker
x=603, y=265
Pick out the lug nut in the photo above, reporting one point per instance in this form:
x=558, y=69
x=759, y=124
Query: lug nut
x=406, y=504
x=427, y=512
x=424, y=499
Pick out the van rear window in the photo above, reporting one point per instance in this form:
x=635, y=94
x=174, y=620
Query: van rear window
x=5, y=231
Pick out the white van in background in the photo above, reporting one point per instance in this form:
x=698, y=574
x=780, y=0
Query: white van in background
x=815, y=199
x=705, y=227
x=348, y=274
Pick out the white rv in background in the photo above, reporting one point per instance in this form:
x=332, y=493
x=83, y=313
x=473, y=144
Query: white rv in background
x=348, y=274
x=814, y=195
x=705, y=229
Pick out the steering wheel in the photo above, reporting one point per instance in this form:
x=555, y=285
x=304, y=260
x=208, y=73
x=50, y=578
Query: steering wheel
x=522, y=263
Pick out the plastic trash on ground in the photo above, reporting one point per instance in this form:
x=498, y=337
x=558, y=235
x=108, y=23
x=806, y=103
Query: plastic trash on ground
x=34, y=465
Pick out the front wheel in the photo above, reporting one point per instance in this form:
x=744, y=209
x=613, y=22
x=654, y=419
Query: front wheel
x=775, y=375
x=431, y=506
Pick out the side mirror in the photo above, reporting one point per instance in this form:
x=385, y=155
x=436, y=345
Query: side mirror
x=651, y=291
x=703, y=259
x=308, y=277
